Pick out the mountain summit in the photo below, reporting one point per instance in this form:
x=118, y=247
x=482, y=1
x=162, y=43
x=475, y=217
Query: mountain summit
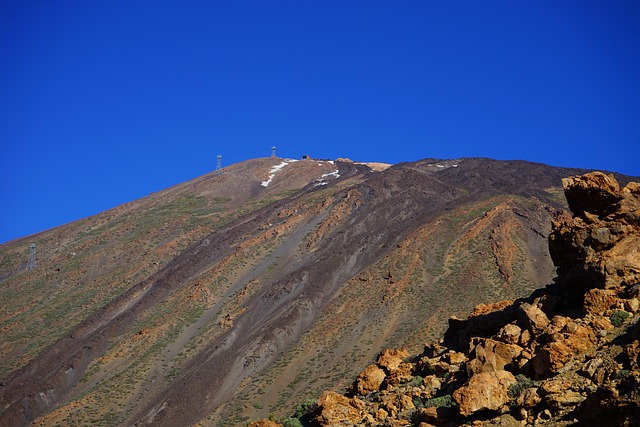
x=250, y=289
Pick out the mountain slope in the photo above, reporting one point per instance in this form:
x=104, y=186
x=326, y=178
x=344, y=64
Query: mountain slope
x=224, y=297
x=567, y=354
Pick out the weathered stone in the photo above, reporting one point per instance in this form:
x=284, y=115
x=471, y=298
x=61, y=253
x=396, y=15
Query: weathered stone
x=369, y=379
x=564, y=398
x=525, y=338
x=454, y=357
x=594, y=192
x=509, y=334
x=622, y=262
x=335, y=409
x=489, y=355
x=405, y=403
x=590, y=366
x=428, y=416
x=529, y=398
x=390, y=359
x=632, y=305
x=402, y=374
x=264, y=423
x=601, y=238
x=431, y=384
x=597, y=301
x=532, y=318
x=486, y=390
x=381, y=415
x=563, y=346
x=601, y=323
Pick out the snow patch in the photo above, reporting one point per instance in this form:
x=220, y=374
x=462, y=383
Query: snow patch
x=275, y=170
x=321, y=180
x=334, y=173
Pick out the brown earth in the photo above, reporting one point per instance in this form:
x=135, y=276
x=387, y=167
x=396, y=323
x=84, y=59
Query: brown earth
x=220, y=299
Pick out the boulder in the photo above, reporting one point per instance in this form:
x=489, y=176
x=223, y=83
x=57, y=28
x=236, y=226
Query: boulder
x=529, y=398
x=390, y=359
x=593, y=193
x=532, y=318
x=486, y=390
x=597, y=301
x=563, y=346
x=337, y=410
x=509, y=334
x=402, y=374
x=489, y=355
x=369, y=379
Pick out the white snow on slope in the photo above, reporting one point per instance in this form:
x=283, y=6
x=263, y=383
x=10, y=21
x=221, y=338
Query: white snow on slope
x=321, y=181
x=274, y=170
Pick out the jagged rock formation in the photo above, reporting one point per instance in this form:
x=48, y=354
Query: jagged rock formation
x=567, y=355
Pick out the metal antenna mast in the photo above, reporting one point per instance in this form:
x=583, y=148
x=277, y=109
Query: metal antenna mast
x=31, y=264
x=273, y=151
x=219, y=164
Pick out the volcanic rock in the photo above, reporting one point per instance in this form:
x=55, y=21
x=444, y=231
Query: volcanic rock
x=369, y=380
x=335, y=410
x=486, y=390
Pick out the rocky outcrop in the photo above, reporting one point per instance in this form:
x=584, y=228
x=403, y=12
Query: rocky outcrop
x=566, y=355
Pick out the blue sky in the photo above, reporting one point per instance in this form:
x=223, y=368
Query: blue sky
x=104, y=102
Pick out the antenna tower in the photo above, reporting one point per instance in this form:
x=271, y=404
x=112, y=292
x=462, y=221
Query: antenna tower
x=31, y=264
x=219, y=163
x=273, y=151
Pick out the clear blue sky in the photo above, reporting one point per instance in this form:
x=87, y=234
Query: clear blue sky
x=104, y=102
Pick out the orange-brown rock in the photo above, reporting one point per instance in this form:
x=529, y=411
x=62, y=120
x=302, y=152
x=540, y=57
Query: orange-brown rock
x=403, y=373
x=600, y=246
x=264, y=423
x=369, y=379
x=509, y=334
x=593, y=193
x=390, y=359
x=427, y=416
x=533, y=318
x=489, y=355
x=335, y=410
x=551, y=357
x=486, y=390
x=528, y=398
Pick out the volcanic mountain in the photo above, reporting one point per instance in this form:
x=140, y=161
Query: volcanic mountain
x=247, y=290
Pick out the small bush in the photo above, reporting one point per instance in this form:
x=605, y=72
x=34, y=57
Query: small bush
x=418, y=403
x=416, y=381
x=304, y=408
x=292, y=422
x=618, y=317
x=521, y=385
x=439, y=402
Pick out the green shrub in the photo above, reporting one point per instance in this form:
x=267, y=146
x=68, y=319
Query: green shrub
x=522, y=383
x=439, y=402
x=304, y=408
x=416, y=381
x=618, y=317
x=292, y=422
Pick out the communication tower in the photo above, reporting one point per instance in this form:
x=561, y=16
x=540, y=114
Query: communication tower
x=31, y=264
x=273, y=151
x=219, y=163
